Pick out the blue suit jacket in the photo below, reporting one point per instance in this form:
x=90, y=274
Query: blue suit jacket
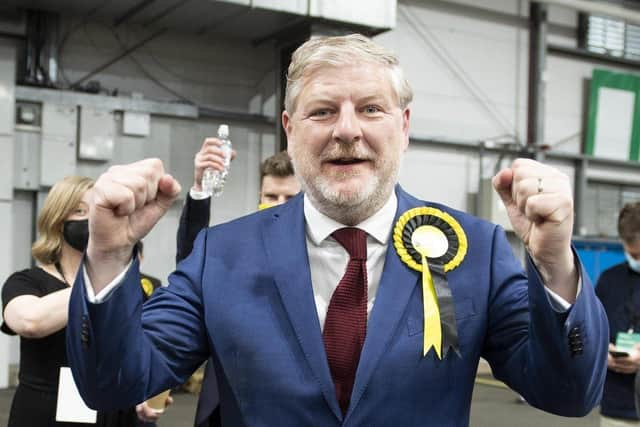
x=244, y=297
x=194, y=218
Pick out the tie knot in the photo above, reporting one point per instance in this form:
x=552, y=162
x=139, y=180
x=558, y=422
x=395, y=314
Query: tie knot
x=353, y=240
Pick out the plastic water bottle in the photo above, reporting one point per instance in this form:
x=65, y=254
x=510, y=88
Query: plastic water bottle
x=213, y=180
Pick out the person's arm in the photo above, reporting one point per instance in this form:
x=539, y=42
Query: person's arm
x=196, y=211
x=555, y=360
x=194, y=217
x=166, y=339
x=35, y=317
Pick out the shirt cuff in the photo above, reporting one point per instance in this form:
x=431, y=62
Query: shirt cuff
x=106, y=292
x=559, y=304
x=198, y=195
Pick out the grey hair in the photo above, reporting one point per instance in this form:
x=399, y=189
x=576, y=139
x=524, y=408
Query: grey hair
x=340, y=51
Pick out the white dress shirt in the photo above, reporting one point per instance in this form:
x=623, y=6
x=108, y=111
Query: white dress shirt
x=328, y=259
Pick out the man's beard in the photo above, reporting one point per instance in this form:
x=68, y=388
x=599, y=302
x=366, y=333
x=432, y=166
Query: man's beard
x=352, y=206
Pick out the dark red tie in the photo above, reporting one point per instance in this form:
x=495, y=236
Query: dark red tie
x=346, y=323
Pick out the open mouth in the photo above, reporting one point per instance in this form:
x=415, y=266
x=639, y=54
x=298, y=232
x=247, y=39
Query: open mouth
x=346, y=161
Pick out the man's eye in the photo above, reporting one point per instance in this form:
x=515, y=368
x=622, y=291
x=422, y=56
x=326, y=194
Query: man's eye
x=371, y=109
x=321, y=113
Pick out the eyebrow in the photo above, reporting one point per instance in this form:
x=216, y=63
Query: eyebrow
x=372, y=98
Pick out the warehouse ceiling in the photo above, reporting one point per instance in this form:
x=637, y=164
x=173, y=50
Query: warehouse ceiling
x=202, y=17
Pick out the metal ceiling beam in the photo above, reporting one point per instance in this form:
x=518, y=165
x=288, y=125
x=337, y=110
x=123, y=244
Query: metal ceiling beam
x=598, y=8
x=132, y=11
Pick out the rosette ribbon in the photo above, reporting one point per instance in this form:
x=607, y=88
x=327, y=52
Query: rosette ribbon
x=432, y=242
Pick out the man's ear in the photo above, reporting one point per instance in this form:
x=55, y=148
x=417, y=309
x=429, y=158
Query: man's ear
x=286, y=122
x=406, y=119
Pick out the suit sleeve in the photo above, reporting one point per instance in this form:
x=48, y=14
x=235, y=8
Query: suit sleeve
x=121, y=353
x=194, y=218
x=556, y=361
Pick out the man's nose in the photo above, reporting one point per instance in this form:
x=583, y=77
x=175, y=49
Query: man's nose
x=347, y=128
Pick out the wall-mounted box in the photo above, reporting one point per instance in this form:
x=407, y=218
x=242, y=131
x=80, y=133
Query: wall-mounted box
x=136, y=124
x=28, y=115
x=96, y=135
x=26, y=160
x=57, y=159
x=58, y=144
x=59, y=120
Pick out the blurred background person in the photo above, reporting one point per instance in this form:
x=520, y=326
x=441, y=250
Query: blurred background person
x=619, y=290
x=277, y=180
x=35, y=303
x=277, y=185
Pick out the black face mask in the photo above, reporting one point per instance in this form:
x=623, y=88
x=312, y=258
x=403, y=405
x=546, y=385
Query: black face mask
x=76, y=234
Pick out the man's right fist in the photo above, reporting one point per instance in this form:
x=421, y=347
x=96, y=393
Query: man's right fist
x=128, y=200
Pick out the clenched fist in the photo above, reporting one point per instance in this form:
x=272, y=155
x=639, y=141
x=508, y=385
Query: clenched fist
x=539, y=202
x=128, y=200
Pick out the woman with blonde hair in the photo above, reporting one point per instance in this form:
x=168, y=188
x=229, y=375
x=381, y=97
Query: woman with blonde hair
x=35, y=303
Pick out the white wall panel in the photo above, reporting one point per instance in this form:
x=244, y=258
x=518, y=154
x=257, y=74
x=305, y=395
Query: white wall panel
x=438, y=175
x=445, y=59
x=6, y=167
x=96, y=134
x=26, y=160
x=6, y=268
x=7, y=86
x=374, y=13
x=299, y=7
x=21, y=238
x=58, y=147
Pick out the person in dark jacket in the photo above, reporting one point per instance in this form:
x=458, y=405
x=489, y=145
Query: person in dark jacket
x=619, y=290
x=277, y=185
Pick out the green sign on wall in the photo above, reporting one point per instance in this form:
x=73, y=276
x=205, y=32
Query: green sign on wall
x=613, y=128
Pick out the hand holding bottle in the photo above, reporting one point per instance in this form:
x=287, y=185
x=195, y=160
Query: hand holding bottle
x=211, y=156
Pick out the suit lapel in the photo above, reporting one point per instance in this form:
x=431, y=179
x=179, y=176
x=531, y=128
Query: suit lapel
x=285, y=245
x=396, y=286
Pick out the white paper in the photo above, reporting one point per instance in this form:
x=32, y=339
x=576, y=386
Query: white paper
x=614, y=123
x=71, y=408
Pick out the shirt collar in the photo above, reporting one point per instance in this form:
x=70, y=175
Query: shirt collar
x=319, y=226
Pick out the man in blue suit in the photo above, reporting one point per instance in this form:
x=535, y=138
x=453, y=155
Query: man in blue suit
x=354, y=304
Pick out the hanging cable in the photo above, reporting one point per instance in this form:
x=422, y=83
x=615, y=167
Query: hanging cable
x=118, y=57
x=147, y=74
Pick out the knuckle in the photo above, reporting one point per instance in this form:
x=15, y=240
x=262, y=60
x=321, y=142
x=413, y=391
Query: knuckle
x=155, y=162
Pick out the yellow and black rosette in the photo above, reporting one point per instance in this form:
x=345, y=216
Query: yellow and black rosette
x=432, y=241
